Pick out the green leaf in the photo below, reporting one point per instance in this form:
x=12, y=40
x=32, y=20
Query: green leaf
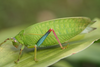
x=46, y=56
x=92, y=55
x=62, y=63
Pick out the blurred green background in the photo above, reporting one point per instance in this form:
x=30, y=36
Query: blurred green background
x=14, y=13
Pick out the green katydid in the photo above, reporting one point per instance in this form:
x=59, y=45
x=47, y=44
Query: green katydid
x=38, y=35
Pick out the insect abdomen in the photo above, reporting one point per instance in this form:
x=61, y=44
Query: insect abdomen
x=65, y=28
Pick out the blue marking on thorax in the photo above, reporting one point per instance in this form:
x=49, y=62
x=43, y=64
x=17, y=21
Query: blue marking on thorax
x=40, y=41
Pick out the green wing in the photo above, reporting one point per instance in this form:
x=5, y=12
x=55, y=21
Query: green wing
x=65, y=28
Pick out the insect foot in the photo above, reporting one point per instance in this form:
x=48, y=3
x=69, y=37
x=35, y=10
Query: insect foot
x=0, y=45
x=36, y=60
x=16, y=62
x=63, y=47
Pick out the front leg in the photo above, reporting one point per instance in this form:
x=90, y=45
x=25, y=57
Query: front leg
x=20, y=53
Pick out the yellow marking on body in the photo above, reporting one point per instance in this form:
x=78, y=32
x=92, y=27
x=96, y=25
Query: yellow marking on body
x=42, y=34
x=35, y=34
